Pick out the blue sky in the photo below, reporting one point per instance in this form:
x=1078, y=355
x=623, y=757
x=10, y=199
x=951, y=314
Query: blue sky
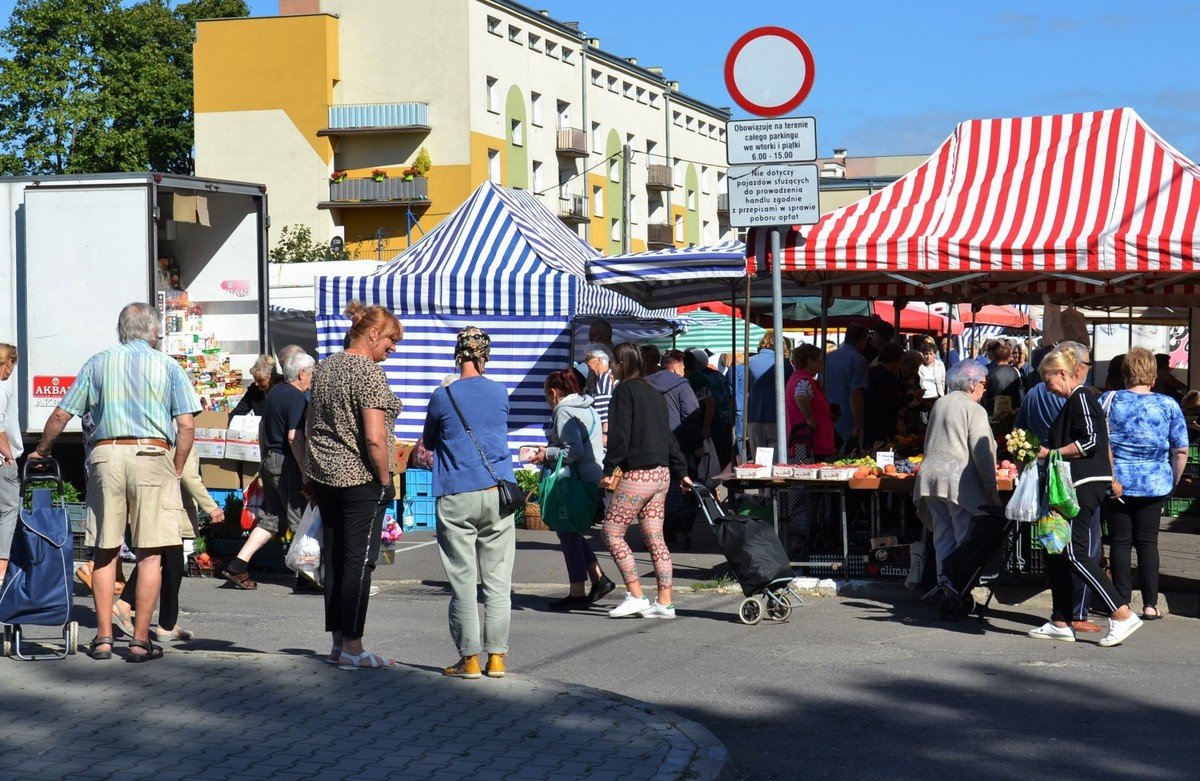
x=895, y=77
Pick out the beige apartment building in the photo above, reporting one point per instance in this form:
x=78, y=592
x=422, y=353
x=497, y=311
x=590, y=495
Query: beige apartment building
x=332, y=102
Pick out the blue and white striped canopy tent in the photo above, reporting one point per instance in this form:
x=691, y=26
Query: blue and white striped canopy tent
x=502, y=261
x=677, y=277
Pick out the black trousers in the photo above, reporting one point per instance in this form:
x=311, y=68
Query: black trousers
x=1076, y=560
x=168, y=595
x=351, y=522
x=1133, y=524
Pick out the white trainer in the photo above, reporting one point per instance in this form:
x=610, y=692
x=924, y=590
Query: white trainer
x=1048, y=631
x=1119, y=630
x=631, y=606
x=658, y=611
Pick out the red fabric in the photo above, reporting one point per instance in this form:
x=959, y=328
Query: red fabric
x=823, y=444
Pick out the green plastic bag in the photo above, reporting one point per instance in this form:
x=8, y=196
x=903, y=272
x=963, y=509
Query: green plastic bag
x=1060, y=493
x=568, y=503
x=1054, y=532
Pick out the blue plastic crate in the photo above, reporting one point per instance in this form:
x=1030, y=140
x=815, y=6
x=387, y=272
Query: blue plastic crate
x=418, y=482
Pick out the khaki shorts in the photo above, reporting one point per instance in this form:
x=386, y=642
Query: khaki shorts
x=133, y=486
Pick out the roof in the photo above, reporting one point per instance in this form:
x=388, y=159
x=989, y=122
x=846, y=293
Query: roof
x=1092, y=208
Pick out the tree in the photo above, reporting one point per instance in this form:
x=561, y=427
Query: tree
x=94, y=85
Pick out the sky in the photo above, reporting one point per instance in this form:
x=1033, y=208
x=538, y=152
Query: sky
x=895, y=77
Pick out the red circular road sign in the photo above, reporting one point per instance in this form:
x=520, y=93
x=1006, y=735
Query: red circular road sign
x=769, y=71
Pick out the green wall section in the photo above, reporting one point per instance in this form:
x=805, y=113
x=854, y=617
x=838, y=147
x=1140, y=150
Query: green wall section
x=516, y=164
x=614, y=205
x=691, y=219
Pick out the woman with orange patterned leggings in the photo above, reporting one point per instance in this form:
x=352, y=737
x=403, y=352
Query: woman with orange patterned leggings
x=642, y=447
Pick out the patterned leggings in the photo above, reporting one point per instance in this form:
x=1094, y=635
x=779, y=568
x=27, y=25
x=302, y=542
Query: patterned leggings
x=640, y=496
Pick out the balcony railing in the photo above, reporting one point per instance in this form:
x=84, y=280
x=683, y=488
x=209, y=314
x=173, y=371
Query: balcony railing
x=572, y=208
x=659, y=235
x=723, y=203
x=368, y=192
x=351, y=118
x=658, y=177
x=572, y=142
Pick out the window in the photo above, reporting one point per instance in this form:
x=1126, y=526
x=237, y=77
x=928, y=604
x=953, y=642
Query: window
x=568, y=55
x=704, y=183
x=537, y=176
x=597, y=79
x=679, y=227
x=614, y=232
x=518, y=132
x=614, y=170
x=494, y=166
x=514, y=34
x=551, y=49
x=598, y=201
x=535, y=109
x=493, y=25
x=535, y=42
x=691, y=200
x=612, y=83
x=493, y=95
x=564, y=113
x=597, y=140
x=677, y=118
x=641, y=95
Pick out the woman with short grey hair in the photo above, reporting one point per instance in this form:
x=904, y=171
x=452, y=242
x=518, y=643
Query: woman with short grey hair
x=958, y=475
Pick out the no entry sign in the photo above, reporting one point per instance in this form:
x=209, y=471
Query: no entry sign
x=769, y=71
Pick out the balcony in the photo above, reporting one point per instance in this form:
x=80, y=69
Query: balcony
x=371, y=118
x=659, y=235
x=572, y=209
x=367, y=192
x=658, y=177
x=723, y=203
x=572, y=142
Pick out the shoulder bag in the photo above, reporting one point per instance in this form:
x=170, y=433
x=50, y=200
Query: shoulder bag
x=511, y=496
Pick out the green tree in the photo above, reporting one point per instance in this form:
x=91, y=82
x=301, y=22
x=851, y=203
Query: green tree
x=96, y=85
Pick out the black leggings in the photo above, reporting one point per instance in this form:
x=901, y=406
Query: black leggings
x=1135, y=524
x=351, y=523
x=1076, y=558
x=168, y=595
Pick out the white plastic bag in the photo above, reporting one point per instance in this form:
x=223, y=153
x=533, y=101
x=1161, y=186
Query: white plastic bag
x=1026, y=498
x=304, y=554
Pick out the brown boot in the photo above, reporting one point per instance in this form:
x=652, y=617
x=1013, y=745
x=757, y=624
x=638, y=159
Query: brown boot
x=495, y=665
x=467, y=667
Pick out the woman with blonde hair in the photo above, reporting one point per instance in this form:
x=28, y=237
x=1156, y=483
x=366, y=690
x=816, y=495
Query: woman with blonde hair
x=1150, y=447
x=351, y=441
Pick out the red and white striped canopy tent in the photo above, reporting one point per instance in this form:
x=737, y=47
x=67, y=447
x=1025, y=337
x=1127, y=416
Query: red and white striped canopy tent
x=1090, y=208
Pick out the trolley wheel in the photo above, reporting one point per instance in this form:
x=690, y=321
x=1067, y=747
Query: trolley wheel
x=72, y=638
x=951, y=609
x=781, y=610
x=751, y=611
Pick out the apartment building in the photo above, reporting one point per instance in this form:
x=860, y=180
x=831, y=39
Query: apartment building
x=331, y=103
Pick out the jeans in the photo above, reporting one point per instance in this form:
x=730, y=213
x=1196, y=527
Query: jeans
x=352, y=522
x=474, y=540
x=168, y=594
x=578, y=554
x=1135, y=524
x=1062, y=568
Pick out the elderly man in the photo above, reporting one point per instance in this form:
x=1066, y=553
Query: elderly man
x=599, y=383
x=282, y=472
x=140, y=402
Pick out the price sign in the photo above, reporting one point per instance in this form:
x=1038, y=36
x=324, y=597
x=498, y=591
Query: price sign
x=783, y=140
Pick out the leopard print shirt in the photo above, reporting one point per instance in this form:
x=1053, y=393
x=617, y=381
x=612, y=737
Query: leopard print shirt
x=343, y=385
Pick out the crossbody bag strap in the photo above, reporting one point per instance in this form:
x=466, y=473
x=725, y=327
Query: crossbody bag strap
x=486, y=464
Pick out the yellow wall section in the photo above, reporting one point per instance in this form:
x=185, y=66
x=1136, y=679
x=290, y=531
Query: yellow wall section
x=287, y=63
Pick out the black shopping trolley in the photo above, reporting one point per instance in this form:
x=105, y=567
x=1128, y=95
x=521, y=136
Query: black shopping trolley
x=37, y=589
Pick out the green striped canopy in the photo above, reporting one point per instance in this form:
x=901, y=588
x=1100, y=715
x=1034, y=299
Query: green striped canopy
x=712, y=331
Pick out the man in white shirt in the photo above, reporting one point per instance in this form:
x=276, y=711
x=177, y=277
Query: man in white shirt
x=10, y=451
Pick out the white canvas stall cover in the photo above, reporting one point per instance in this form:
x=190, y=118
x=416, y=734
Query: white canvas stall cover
x=1091, y=208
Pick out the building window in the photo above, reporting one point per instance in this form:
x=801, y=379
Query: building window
x=514, y=34
x=518, y=132
x=704, y=183
x=535, y=109
x=564, y=113
x=494, y=166
x=597, y=79
x=551, y=49
x=493, y=25
x=537, y=176
x=612, y=83
x=679, y=227
x=597, y=141
x=598, y=201
x=614, y=232
x=614, y=169
x=493, y=95
x=568, y=55
x=677, y=118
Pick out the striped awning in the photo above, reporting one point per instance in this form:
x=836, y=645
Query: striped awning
x=1090, y=208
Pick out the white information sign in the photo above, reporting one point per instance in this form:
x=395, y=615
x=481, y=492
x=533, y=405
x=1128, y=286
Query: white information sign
x=766, y=195
x=782, y=140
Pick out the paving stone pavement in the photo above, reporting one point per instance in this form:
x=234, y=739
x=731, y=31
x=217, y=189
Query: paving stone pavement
x=212, y=715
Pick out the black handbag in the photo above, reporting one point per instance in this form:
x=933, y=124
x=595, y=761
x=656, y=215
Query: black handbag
x=512, y=498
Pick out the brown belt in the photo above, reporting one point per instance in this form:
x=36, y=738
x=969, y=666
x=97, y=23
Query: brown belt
x=135, y=441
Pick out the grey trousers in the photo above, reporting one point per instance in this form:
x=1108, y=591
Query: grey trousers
x=10, y=506
x=473, y=538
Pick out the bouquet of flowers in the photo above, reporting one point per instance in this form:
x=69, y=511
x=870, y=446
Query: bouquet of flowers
x=391, y=530
x=1022, y=445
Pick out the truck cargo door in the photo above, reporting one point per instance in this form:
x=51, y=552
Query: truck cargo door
x=87, y=254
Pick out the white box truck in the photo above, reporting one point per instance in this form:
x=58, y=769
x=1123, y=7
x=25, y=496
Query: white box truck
x=82, y=247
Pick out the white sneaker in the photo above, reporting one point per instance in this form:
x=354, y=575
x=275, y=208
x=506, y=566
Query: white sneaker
x=1119, y=630
x=630, y=607
x=1048, y=631
x=658, y=611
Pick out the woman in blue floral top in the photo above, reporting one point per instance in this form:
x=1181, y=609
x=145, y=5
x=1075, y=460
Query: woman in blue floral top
x=1149, y=445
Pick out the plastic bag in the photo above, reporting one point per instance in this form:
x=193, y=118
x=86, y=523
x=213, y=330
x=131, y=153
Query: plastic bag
x=1060, y=492
x=1054, y=532
x=304, y=554
x=1023, y=506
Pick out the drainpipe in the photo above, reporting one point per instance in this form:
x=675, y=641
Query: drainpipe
x=585, y=126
